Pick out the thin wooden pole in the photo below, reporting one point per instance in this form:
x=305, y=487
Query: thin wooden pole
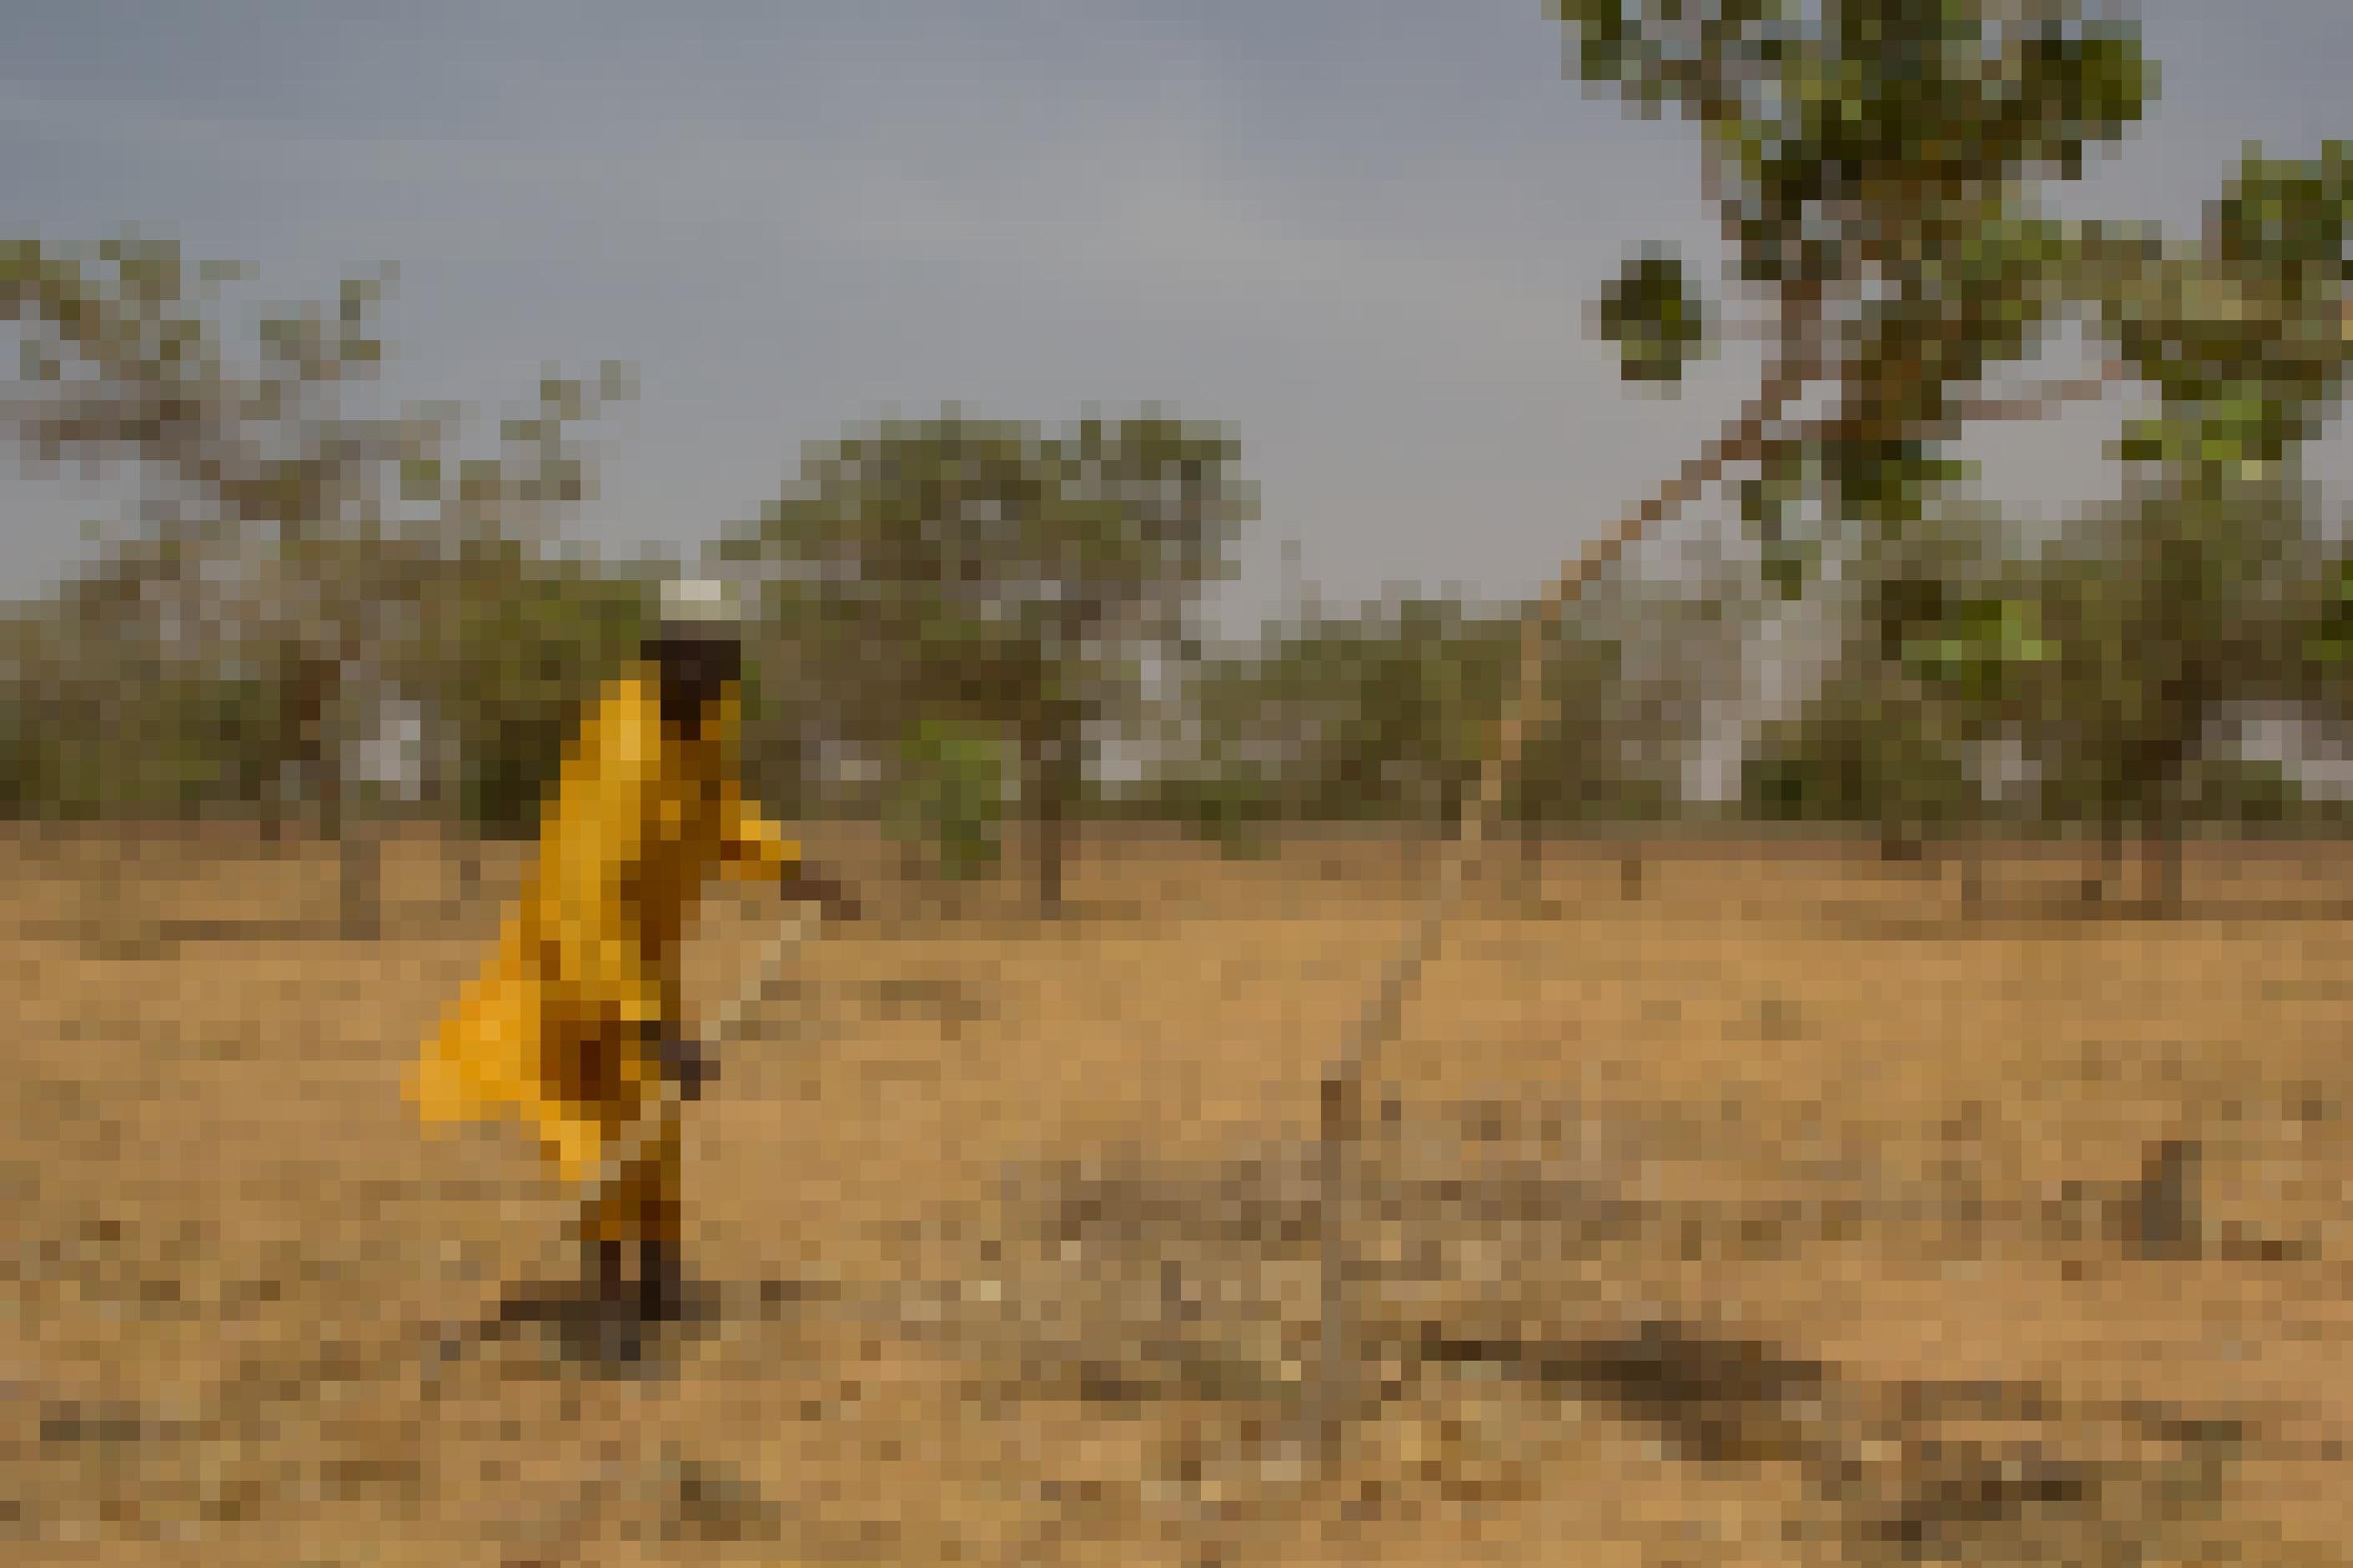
x=657, y=1113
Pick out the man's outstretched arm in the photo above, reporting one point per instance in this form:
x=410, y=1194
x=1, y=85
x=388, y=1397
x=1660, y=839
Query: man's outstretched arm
x=755, y=848
x=805, y=886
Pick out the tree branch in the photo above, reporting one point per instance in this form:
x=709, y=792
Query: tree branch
x=2038, y=402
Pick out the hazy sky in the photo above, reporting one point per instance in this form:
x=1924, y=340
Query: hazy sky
x=1363, y=232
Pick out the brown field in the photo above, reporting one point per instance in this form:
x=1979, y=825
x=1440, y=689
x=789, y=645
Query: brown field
x=1783, y=1214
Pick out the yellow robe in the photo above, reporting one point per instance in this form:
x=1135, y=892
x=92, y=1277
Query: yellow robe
x=640, y=818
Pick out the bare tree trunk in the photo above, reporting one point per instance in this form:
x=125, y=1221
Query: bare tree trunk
x=2164, y=856
x=1053, y=849
x=359, y=878
x=1529, y=871
x=2100, y=887
x=358, y=854
x=357, y=861
x=2158, y=797
x=1056, y=780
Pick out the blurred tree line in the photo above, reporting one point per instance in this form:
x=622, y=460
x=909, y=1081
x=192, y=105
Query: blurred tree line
x=962, y=623
x=1882, y=172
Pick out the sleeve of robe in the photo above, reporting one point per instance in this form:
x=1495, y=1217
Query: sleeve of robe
x=752, y=848
x=755, y=849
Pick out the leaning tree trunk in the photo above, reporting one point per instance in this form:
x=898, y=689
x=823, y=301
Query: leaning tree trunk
x=2167, y=825
x=2100, y=886
x=1972, y=857
x=358, y=852
x=2164, y=856
x=359, y=860
x=1054, y=775
x=295, y=748
x=1529, y=873
x=1053, y=849
x=2161, y=796
x=359, y=880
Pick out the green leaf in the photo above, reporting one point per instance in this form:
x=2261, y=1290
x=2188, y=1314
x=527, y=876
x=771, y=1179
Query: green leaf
x=1787, y=567
x=1653, y=317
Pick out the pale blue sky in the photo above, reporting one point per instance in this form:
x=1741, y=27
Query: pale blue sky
x=1362, y=231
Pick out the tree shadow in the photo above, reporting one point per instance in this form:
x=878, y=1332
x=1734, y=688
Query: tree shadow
x=1713, y=1399
x=1922, y=1471
x=1157, y=1278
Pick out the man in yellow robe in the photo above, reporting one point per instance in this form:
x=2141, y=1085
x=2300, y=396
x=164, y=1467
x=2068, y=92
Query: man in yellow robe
x=573, y=1024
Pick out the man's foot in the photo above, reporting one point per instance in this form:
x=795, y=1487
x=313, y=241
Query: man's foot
x=618, y=1339
x=601, y=1325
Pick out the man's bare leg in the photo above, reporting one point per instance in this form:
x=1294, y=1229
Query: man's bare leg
x=606, y=1272
x=662, y=1282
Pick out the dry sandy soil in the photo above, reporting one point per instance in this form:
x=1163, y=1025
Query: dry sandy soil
x=1785, y=1213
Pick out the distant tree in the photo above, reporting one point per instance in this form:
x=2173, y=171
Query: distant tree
x=2166, y=619
x=1876, y=166
x=508, y=645
x=299, y=533
x=2193, y=594
x=123, y=364
x=1937, y=635
x=102, y=716
x=951, y=794
x=979, y=571
x=1871, y=162
x=1384, y=715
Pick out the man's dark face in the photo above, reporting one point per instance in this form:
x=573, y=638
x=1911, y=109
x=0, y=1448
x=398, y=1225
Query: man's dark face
x=693, y=670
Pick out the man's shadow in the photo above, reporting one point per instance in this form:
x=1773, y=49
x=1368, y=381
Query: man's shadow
x=588, y=1333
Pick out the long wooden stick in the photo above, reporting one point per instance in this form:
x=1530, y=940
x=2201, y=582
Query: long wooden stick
x=654, y=1117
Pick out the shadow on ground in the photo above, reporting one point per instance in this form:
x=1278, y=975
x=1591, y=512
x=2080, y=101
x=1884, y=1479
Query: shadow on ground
x=1181, y=1296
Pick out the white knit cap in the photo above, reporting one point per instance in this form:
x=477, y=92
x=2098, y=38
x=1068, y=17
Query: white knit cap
x=699, y=604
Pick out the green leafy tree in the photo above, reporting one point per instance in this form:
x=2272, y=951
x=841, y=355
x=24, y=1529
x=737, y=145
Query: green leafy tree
x=1876, y=166
x=979, y=571
x=508, y=650
x=285, y=530
x=2195, y=593
x=951, y=794
x=2177, y=612
x=242, y=464
x=1385, y=715
x=507, y=632
x=173, y=735
x=1945, y=641
x=1873, y=163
